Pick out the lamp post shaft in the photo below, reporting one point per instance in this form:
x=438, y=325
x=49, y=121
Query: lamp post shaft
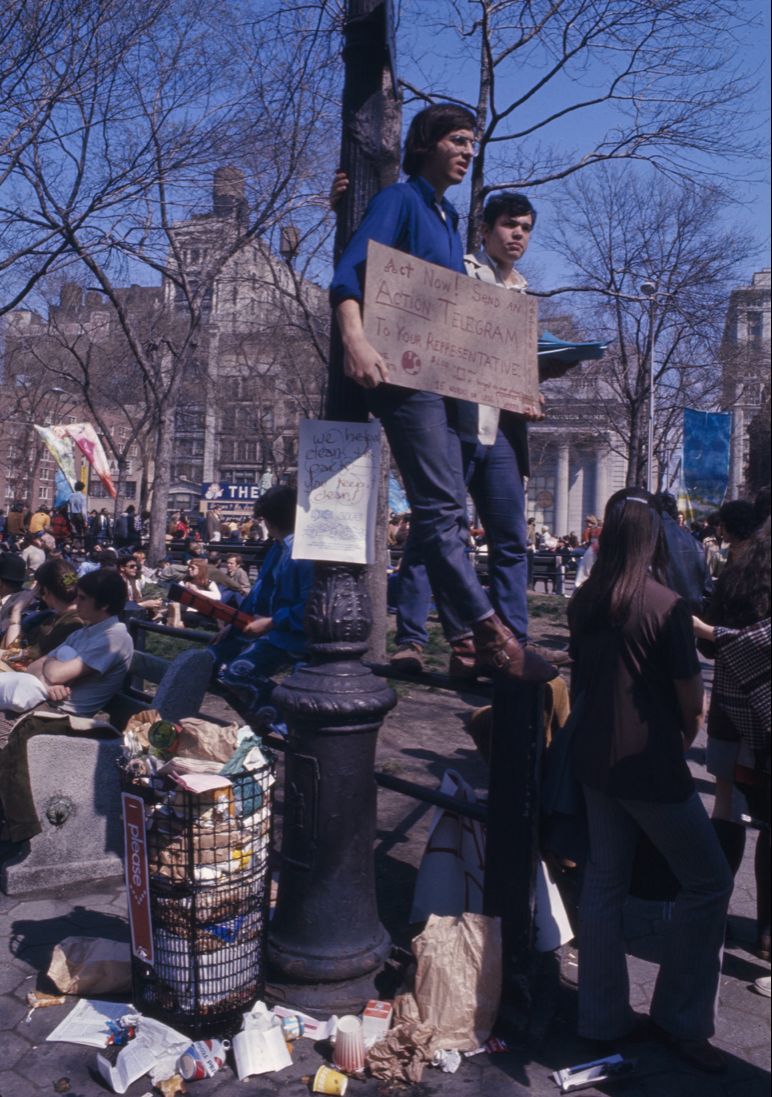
x=650, y=475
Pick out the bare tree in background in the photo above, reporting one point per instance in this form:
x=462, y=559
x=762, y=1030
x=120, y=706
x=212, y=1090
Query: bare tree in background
x=122, y=173
x=50, y=50
x=617, y=230
x=644, y=80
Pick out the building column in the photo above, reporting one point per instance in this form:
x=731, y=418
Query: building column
x=736, y=470
x=211, y=456
x=561, y=491
x=601, y=482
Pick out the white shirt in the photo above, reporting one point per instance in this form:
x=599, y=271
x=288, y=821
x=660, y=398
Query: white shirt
x=480, y=422
x=108, y=649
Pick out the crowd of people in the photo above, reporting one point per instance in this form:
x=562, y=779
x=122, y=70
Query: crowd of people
x=648, y=590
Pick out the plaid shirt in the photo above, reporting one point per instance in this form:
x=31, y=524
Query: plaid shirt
x=741, y=682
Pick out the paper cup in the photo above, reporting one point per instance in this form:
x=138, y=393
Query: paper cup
x=349, y=1045
x=329, y=1081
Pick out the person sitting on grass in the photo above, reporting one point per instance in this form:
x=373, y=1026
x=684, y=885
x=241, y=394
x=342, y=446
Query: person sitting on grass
x=275, y=639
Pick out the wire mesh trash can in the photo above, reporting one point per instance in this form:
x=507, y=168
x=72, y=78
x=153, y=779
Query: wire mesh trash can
x=209, y=894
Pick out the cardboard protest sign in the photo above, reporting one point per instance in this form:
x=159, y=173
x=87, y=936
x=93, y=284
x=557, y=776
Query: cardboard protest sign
x=339, y=468
x=444, y=332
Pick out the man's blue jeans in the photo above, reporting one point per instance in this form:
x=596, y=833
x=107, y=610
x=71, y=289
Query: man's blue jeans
x=250, y=664
x=496, y=486
x=423, y=435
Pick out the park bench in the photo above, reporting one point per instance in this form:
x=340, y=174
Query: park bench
x=252, y=553
x=555, y=568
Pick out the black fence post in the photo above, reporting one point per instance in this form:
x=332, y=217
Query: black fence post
x=512, y=843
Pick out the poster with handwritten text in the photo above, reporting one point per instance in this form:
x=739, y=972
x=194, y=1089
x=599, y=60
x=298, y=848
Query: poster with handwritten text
x=338, y=472
x=443, y=332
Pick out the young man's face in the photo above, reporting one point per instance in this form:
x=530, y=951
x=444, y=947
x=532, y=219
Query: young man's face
x=450, y=160
x=507, y=240
x=87, y=609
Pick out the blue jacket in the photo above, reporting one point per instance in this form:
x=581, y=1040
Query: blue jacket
x=280, y=592
x=403, y=216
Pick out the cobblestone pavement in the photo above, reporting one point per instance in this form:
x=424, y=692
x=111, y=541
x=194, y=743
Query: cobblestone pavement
x=423, y=736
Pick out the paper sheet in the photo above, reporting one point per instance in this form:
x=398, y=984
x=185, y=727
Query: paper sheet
x=259, y=1051
x=87, y=1024
x=339, y=467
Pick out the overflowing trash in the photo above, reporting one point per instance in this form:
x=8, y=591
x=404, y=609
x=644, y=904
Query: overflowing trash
x=197, y=813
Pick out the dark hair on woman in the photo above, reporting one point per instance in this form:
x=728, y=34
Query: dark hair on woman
x=507, y=204
x=108, y=589
x=59, y=578
x=742, y=593
x=632, y=546
x=737, y=518
x=430, y=126
x=762, y=505
x=278, y=505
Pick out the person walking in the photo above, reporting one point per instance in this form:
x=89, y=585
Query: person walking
x=636, y=664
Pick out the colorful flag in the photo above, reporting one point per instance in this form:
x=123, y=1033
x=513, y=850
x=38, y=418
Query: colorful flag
x=85, y=438
x=705, y=462
x=63, y=489
x=60, y=446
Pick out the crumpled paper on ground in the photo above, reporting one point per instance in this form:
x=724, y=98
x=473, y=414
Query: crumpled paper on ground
x=458, y=978
x=91, y=965
x=409, y=1046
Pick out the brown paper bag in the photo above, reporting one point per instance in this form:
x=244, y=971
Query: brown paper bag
x=458, y=978
x=91, y=965
x=204, y=740
x=139, y=725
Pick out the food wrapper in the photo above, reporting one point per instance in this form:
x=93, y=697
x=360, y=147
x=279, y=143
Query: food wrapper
x=458, y=978
x=91, y=965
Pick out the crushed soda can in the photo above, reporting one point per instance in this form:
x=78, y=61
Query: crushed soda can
x=293, y=1027
x=202, y=1059
x=122, y=1030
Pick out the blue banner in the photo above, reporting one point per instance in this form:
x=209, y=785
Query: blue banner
x=63, y=489
x=705, y=462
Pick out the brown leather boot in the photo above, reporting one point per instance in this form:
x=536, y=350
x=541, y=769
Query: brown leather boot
x=498, y=650
x=464, y=658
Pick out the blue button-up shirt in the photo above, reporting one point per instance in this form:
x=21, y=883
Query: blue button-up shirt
x=404, y=216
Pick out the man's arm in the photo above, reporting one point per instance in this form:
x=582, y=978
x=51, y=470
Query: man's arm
x=361, y=361
x=51, y=671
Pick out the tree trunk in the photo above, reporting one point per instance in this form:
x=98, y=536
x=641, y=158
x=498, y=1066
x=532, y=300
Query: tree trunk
x=120, y=487
x=162, y=480
x=477, y=200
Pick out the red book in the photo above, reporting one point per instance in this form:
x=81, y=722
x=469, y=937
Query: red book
x=217, y=611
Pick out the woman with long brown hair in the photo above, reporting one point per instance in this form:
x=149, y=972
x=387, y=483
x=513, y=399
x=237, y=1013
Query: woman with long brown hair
x=636, y=664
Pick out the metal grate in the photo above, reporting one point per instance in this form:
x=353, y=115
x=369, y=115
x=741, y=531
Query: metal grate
x=208, y=858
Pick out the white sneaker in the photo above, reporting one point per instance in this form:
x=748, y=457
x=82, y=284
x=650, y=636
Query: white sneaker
x=761, y=986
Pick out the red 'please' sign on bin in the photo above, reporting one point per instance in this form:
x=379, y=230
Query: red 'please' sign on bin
x=137, y=882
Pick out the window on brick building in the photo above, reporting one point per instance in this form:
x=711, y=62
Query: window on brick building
x=42, y=492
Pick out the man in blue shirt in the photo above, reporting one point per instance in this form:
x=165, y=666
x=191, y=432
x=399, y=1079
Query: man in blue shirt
x=275, y=639
x=423, y=428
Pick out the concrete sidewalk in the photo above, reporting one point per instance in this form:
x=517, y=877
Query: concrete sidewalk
x=423, y=736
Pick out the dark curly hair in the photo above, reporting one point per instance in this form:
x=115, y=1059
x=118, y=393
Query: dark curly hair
x=742, y=594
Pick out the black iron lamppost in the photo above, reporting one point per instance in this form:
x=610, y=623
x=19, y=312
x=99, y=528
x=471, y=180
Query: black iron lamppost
x=326, y=941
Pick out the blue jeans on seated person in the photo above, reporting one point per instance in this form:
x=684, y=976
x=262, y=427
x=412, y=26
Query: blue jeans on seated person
x=250, y=666
x=423, y=434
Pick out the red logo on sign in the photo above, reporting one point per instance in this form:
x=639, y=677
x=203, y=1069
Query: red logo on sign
x=137, y=883
x=411, y=363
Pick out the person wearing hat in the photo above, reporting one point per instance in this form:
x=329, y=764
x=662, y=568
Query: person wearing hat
x=12, y=573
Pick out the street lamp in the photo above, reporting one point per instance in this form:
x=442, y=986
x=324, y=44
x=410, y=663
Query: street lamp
x=649, y=289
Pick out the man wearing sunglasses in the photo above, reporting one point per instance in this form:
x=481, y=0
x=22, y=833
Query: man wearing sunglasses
x=423, y=429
